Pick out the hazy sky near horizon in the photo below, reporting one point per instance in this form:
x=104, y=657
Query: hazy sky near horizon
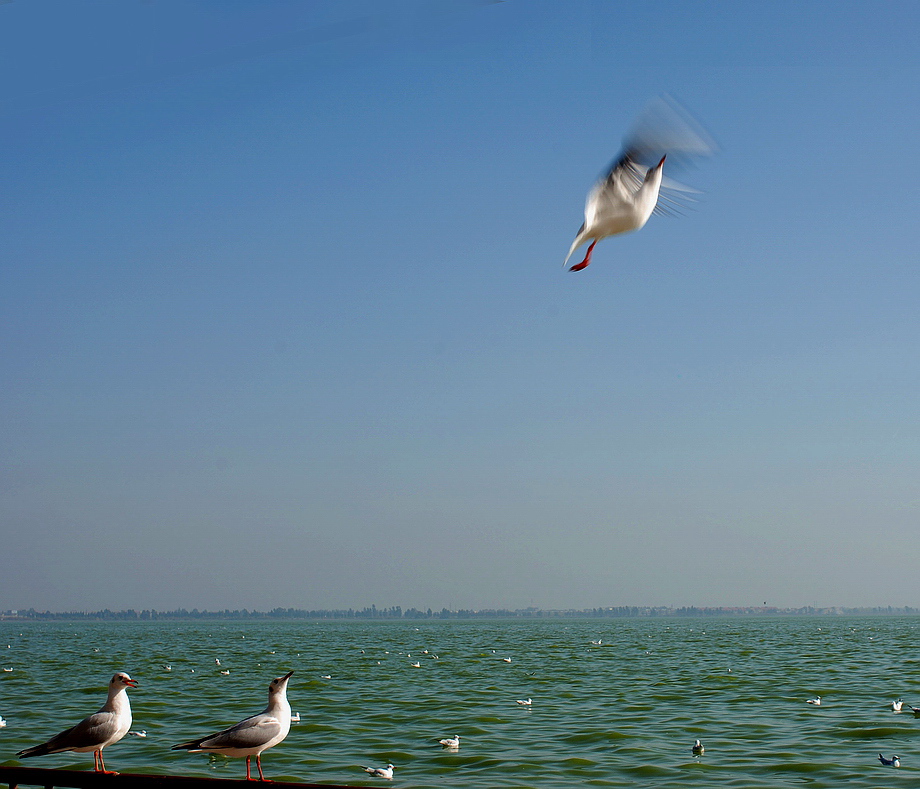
x=283, y=320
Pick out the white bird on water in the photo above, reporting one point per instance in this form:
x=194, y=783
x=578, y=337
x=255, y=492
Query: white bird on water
x=896, y=705
x=894, y=761
x=380, y=772
x=94, y=733
x=698, y=749
x=2, y=722
x=816, y=701
x=525, y=702
x=253, y=735
x=451, y=742
x=631, y=190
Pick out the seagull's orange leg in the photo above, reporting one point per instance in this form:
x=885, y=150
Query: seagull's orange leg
x=259, y=765
x=100, y=767
x=587, y=260
x=248, y=778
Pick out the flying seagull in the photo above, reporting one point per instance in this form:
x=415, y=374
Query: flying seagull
x=254, y=734
x=634, y=187
x=106, y=727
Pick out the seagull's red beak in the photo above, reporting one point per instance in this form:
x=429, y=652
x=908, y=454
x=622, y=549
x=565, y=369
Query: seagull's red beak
x=131, y=683
x=662, y=160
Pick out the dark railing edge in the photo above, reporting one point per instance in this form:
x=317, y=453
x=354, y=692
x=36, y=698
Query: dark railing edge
x=80, y=779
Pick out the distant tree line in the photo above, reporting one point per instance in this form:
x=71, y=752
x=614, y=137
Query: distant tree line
x=397, y=613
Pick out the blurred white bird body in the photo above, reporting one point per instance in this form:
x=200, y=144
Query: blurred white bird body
x=94, y=733
x=633, y=188
x=451, y=742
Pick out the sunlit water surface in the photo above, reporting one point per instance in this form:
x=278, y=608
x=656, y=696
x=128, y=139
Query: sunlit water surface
x=624, y=712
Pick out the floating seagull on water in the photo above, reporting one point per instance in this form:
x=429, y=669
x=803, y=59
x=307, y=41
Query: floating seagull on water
x=381, y=772
x=2, y=722
x=97, y=731
x=226, y=672
x=506, y=659
x=8, y=669
x=698, y=749
x=632, y=189
x=894, y=761
x=816, y=701
x=141, y=733
x=451, y=742
x=416, y=665
x=168, y=668
x=597, y=643
x=295, y=718
x=525, y=702
x=252, y=735
x=896, y=705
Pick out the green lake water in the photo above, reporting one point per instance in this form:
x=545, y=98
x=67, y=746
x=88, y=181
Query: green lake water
x=622, y=713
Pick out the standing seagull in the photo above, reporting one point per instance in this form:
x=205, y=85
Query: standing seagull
x=106, y=727
x=631, y=189
x=253, y=735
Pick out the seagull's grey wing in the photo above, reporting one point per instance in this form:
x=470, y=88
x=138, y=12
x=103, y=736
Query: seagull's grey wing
x=249, y=733
x=665, y=127
x=91, y=731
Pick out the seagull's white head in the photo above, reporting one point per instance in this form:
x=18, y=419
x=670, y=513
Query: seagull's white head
x=122, y=680
x=279, y=685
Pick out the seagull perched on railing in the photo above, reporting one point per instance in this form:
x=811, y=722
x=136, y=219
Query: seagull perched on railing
x=634, y=187
x=252, y=735
x=94, y=733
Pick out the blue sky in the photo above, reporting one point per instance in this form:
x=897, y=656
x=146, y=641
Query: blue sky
x=283, y=320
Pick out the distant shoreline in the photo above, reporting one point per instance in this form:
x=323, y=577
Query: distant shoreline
x=396, y=613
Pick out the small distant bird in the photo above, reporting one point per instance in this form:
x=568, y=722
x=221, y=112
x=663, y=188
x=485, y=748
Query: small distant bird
x=225, y=672
x=816, y=701
x=295, y=718
x=167, y=668
x=253, y=735
x=380, y=772
x=631, y=189
x=416, y=665
x=597, y=643
x=894, y=761
x=451, y=742
x=2, y=722
x=141, y=733
x=8, y=669
x=698, y=749
x=525, y=702
x=506, y=659
x=94, y=733
x=896, y=705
